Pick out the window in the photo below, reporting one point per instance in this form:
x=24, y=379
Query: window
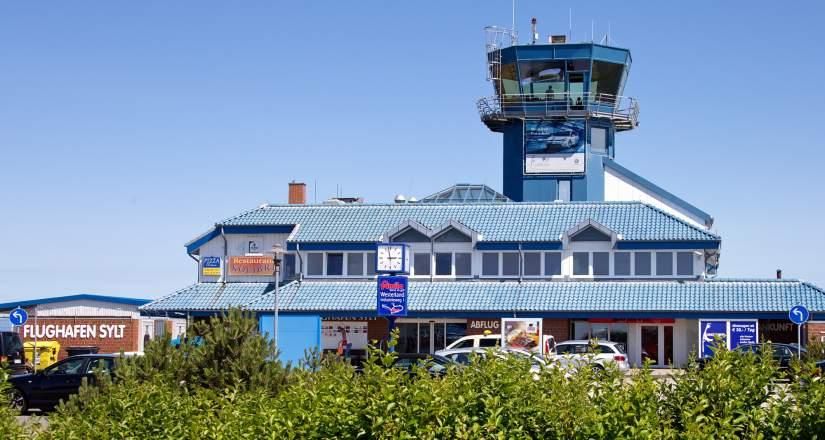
x=581, y=263
x=542, y=80
x=488, y=342
x=564, y=191
x=355, y=264
x=532, y=264
x=370, y=263
x=103, y=365
x=606, y=77
x=598, y=140
x=463, y=264
x=601, y=263
x=664, y=263
x=489, y=264
x=315, y=264
x=443, y=263
x=288, y=267
x=509, y=264
x=642, y=263
x=71, y=366
x=508, y=80
x=421, y=264
x=581, y=330
x=684, y=263
x=552, y=263
x=335, y=264
x=621, y=263
x=467, y=343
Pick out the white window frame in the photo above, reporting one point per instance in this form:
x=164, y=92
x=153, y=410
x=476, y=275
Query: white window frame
x=344, y=270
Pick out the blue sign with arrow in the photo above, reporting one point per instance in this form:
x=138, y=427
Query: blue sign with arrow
x=799, y=314
x=18, y=316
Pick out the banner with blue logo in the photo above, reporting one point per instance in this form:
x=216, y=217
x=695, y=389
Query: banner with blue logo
x=708, y=332
x=743, y=332
x=392, y=296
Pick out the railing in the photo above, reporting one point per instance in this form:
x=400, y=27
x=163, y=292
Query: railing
x=622, y=110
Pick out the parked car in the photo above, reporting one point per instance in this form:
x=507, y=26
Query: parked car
x=781, y=353
x=45, y=389
x=11, y=352
x=436, y=365
x=475, y=341
x=596, y=354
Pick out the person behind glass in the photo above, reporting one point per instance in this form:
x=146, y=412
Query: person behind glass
x=579, y=105
x=344, y=346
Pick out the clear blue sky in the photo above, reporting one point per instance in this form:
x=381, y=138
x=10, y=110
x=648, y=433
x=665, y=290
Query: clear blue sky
x=128, y=128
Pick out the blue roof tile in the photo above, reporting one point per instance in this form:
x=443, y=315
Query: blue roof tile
x=508, y=296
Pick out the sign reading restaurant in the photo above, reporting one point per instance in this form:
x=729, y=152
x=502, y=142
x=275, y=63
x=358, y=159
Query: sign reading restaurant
x=251, y=265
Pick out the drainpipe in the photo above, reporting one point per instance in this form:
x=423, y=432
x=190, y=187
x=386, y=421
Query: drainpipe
x=520, y=264
x=225, y=250
x=197, y=266
x=300, y=262
x=432, y=258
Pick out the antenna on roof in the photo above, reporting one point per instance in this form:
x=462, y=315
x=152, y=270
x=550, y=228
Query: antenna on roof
x=570, y=24
x=513, y=29
x=592, y=30
x=535, y=33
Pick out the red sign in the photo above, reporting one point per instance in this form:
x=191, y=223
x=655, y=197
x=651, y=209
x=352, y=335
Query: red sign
x=634, y=321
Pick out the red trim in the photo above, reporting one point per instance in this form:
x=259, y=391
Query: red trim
x=634, y=321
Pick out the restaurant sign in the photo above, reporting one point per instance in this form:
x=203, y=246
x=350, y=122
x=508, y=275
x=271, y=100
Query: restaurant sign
x=251, y=265
x=211, y=266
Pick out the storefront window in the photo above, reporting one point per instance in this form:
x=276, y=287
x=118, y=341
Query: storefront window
x=581, y=263
x=581, y=330
x=463, y=264
x=532, y=264
x=684, y=263
x=664, y=263
x=407, y=338
x=618, y=333
x=509, y=264
x=335, y=264
x=552, y=263
x=443, y=263
x=455, y=331
x=642, y=263
x=621, y=263
x=315, y=264
x=421, y=264
x=355, y=264
x=601, y=263
x=489, y=264
x=599, y=331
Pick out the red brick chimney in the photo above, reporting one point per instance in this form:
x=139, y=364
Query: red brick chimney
x=297, y=193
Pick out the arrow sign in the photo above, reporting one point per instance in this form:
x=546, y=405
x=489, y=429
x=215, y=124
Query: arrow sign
x=18, y=316
x=799, y=314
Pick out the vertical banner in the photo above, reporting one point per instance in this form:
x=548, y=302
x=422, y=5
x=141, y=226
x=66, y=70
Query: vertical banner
x=743, y=332
x=708, y=331
x=521, y=333
x=392, y=296
x=553, y=147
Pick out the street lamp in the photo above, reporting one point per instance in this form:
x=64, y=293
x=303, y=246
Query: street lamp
x=277, y=250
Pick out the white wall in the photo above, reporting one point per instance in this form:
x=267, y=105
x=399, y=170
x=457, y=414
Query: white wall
x=87, y=308
x=617, y=188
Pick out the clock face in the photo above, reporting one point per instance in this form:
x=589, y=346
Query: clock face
x=390, y=258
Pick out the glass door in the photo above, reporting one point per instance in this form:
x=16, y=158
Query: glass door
x=650, y=344
x=425, y=340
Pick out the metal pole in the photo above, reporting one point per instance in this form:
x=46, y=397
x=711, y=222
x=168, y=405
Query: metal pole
x=275, y=332
x=799, y=341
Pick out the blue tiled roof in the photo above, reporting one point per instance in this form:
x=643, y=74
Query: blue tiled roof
x=77, y=297
x=508, y=296
x=505, y=222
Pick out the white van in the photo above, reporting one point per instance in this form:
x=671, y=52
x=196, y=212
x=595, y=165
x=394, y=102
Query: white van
x=476, y=341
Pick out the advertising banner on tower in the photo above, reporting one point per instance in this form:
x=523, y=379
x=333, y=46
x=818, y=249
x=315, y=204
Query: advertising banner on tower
x=554, y=147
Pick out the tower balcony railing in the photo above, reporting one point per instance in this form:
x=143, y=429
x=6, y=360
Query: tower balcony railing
x=622, y=110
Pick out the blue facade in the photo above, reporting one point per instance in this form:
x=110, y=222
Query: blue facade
x=297, y=334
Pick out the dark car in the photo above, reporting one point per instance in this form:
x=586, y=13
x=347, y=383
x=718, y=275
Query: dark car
x=11, y=352
x=781, y=353
x=45, y=389
x=436, y=365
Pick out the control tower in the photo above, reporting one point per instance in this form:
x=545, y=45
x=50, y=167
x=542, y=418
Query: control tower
x=559, y=106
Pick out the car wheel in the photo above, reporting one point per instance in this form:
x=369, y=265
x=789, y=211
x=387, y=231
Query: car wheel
x=597, y=369
x=18, y=402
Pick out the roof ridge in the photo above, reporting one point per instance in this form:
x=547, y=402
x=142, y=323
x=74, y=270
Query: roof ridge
x=688, y=224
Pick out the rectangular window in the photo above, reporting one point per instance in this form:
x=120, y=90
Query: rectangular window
x=642, y=263
x=443, y=263
x=601, y=263
x=509, y=264
x=370, y=263
x=532, y=264
x=564, y=191
x=463, y=264
x=355, y=264
x=684, y=263
x=552, y=263
x=664, y=263
x=598, y=140
x=581, y=330
x=581, y=263
x=421, y=264
x=288, y=268
x=315, y=264
x=335, y=264
x=489, y=264
x=621, y=263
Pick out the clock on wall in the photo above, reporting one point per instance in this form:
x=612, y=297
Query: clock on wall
x=392, y=258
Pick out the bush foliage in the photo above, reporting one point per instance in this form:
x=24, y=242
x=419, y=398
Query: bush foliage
x=230, y=387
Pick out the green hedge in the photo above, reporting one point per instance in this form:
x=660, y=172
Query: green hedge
x=180, y=394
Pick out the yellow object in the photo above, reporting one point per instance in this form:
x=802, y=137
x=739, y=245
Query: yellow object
x=47, y=352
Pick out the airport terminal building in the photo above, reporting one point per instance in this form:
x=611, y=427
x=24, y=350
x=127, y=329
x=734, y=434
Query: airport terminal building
x=575, y=240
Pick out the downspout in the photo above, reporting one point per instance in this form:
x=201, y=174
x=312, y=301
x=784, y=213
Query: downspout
x=432, y=258
x=520, y=264
x=300, y=262
x=198, y=266
x=225, y=250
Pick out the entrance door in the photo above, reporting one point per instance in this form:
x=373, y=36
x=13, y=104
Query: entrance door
x=426, y=336
x=657, y=344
